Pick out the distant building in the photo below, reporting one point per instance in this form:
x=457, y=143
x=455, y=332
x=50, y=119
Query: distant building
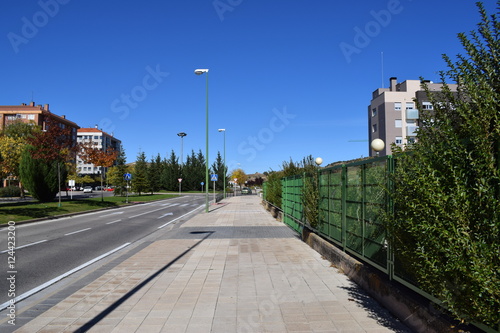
x=393, y=115
x=36, y=115
x=102, y=141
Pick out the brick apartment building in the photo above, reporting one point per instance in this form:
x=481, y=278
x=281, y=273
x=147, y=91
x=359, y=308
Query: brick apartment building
x=393, y=115
x=36, y=114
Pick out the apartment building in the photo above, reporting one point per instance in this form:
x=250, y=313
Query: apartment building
x=100, y=140
x=35, y=114
x=393, y=113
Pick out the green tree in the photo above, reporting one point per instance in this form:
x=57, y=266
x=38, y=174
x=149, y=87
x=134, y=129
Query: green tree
x=140, y=179
x=170, y=173
x=220, y=170
x=13, y=141
x=40, y=177
x=446, y=226
x=154, y=174
x=47, y=149
x=116, y=174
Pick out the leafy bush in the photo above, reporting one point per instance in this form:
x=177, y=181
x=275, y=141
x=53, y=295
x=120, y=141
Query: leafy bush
x=446, y=225
x=10, y=191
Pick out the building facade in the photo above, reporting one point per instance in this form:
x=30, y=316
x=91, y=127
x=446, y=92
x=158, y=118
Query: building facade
x=100, y=140
x=393, y=113
x=35, y=114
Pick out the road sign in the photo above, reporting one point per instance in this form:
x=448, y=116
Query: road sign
x=202, y=183
x=71, y=182
x=179, y=179
x=127, y=176
x=214, y=177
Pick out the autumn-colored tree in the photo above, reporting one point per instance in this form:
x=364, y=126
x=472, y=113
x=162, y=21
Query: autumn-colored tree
x=240, y=176
x=44, y=160
x=13, y=140
x=89, y=153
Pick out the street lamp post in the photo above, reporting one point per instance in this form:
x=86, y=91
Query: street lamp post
x=199, y=72
x=181, y=135
x=224, y=164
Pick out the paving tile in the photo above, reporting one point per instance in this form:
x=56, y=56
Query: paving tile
x=251, y=275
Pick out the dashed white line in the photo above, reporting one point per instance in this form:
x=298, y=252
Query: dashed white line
x=60, y=277
x=75, y=232
x=113, y=222
x=30, y=244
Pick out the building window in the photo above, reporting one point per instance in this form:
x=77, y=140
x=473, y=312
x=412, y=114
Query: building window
x=398, y=123
x=397, y=106
x=31, y=117
x=427, y=106
x=399, y=140
x=374, y=112
x=96, y=137
x=410, y=105
x=374, y=128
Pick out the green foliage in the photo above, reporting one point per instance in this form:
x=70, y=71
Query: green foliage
x=447, y=190
x=170, y=173
x=10, y=191
x=219, y=169
x=154, y=174
x=40, y=176
x=139, y=177
x=291, y=168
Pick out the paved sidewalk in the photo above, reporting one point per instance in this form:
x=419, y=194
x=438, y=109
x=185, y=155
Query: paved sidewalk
x=235, y=269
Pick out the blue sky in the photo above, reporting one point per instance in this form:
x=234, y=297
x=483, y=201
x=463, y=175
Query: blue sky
x=287, y=78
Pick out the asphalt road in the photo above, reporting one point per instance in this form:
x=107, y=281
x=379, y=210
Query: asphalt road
x=48, y=250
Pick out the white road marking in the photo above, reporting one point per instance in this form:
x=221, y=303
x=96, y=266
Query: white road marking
x=180, y=217
x=20, y=247
x=75, y=232
x=113, y=222
x=164, y=215
x=60, y=277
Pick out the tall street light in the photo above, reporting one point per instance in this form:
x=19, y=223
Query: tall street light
x=181, y=135
x=224, y=130
x=199, y=72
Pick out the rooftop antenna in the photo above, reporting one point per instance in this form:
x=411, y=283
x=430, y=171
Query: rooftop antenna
x=382, y=66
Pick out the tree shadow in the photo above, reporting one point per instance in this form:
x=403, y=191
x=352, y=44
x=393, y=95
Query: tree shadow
x=40, y=210
x=375, y=310
x=91, y=323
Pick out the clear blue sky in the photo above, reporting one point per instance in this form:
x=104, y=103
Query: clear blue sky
x=288, y=78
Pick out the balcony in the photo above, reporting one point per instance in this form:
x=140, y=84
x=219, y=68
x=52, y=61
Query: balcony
x=411, y=130
x=411, y=113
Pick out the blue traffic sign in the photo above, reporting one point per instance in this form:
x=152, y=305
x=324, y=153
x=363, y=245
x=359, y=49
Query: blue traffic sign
x=214, y=177
x=127, y=176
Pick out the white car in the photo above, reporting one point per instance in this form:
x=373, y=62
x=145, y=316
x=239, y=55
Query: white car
x=87, y=189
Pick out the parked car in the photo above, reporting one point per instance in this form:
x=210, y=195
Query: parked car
x=87, y=189
x=246, y=190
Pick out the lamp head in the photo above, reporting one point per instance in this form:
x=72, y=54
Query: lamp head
x=221, y=129
x=318, y=160
x=201, y=71
x=377, y=145
x=181, y=134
